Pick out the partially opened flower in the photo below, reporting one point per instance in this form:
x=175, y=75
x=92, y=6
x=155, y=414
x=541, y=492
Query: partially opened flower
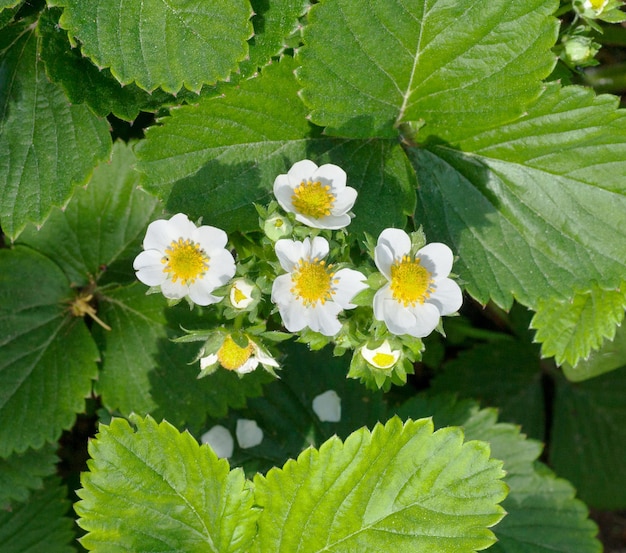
x=318, y=196
x=236, y=358
x=241, y=294
x=185, y=260
x=419, y=290
x=382, y=357
x=312, y=294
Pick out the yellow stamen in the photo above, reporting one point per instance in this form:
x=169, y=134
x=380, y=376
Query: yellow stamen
x=312, y=282
x=411, y=283
x=313, y=199
x=185, y=260
x=383, y=360
x=231, y=356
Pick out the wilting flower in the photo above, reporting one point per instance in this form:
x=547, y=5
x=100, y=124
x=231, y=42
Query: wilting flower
x=382, y=357
x=318, y=196
x=419, y=290
x=312, y=294
x=233, y=357
x=185, y=260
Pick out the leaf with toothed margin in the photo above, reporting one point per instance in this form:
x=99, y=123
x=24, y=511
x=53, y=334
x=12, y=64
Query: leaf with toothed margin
x=161, y=44
x=47, y=145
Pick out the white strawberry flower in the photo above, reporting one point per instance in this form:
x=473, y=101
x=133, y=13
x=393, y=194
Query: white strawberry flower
x=418, y=291
x=318, y=196
x=185, y=260
x=312, y=294
x=233, y=357
x=383, y=357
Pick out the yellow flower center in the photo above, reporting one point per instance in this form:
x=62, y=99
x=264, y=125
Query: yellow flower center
x=383, y=360
x=410, y=282
x=238, y=296
x=231, y=356
x=598, y=4
x=312, y=282
x=185, y=260
x=313, y=199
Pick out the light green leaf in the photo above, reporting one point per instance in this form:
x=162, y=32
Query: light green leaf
x=41, y=386
x=155, y=489
x=273, y=23
x=399, y=487
x=570, y=329
x=82, y=81
x=101, y=229
x=533, y=209
x=610, y=356
x=143, y=371
x=286, y=415
x=216, y=158
x=161, y=44
x=40, y=525
x=24, y=472
x=439, y=62
x=47, y=145
x=543, y=515
x=504, y=374
x=9, y=3
x=588, y=445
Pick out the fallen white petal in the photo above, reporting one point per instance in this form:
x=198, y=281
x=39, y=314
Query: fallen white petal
x=220, y=440
x=248, y=433
x=327, y=406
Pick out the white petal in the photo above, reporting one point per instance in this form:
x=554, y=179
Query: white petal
x=350, y=283
x=344, y=201
x=265, y=359
x=383, y=257
x=398, y=241
x=289, y=253
x=301, y=170
x=208, y=361
x=221, y=267
x=220, y=440
x=281, y=290
x=399, y=319
x=380, y=298
x=330, y=222
x=248, y=433
x=180, y=225
x=317, y=248
x=330, y=174
x=426, y=319
x=327, y=406
x=173, y=290
x=323, y=318
x=447, y=296
x=149, y=267
x=437, y=258
x=200, y=294
x=159, y=236
x=283, y=191
x=249, y=366
x=210, y=238
x=294, y=315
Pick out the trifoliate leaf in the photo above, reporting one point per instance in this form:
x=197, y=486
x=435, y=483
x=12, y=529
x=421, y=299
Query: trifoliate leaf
x=273, y=23
x=144, y=371
x=287, y=412
x=400, y=487
x=47, y=145
x=235, y=146
x=47, y=356
x=155, y=489
x=101, y=229
x=82, y=81
x=535, y=208
x=21, y=473
x=40, y=524
x=570, y=329
x=610, y=356
x=588, y=444
x=161, y=44
x=439, y=64
x=504, y=374
x=543, y=515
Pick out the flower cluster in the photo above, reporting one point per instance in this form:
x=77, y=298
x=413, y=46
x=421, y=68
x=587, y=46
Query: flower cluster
x=303, y=262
